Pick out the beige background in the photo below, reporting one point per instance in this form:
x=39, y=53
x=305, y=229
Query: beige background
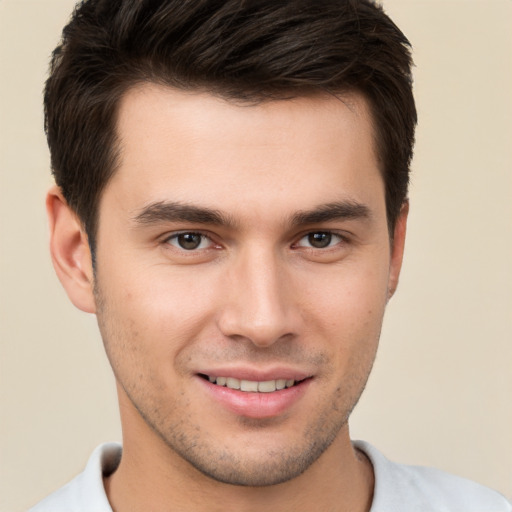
x=441, y=392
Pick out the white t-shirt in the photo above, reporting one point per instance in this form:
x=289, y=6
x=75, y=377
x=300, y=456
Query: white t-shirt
x=398, y=488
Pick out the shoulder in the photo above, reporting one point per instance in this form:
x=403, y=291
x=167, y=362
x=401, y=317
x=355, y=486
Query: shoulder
x=400, y=488
x=85, y=492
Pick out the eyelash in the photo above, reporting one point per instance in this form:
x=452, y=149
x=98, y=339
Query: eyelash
x=175, y=236
x=330, y=234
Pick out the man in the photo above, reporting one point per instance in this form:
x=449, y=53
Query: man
x=231, y=203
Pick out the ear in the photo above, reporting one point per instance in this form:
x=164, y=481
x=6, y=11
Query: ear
x=69, y=248
x=397, y=248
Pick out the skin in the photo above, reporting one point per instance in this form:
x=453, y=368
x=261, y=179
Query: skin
x=258, y=294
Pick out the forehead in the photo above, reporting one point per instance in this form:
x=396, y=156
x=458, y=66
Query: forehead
x=286, y=154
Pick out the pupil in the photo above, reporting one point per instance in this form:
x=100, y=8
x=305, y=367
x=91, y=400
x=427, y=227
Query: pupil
x=320, y=240
x=189, y=240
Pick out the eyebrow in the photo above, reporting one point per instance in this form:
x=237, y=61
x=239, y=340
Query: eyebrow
x=164, y=211
x=341, y=210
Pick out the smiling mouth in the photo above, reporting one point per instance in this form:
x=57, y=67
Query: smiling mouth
x=252, y=386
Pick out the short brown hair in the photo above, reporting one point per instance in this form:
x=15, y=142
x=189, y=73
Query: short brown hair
x=251, y=50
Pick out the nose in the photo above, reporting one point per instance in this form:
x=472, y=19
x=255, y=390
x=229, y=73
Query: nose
x=260, y=305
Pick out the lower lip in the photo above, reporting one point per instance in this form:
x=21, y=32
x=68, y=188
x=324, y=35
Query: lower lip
x=256, y=405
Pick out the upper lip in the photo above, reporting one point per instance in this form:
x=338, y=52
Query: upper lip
x=256, y=374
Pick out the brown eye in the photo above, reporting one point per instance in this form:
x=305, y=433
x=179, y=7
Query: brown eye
x=320, y=240
x=189, y=241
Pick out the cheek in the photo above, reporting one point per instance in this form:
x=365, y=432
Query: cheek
x=154, y=308
x=350, y=300
x=152, y=289
x=348, y=320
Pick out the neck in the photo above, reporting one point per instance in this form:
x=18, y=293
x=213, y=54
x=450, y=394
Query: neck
x=340, y=480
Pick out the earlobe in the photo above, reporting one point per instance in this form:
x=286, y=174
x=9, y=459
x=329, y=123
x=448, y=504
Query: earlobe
x=70, y=251
x=397, y=249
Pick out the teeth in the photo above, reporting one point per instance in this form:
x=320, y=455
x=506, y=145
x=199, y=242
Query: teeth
x=252, y=386
x=232, y=383
x=267, y=386
x=248, y=385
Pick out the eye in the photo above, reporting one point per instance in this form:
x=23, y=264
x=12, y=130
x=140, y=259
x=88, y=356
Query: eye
x=190, y=241
x=320, y=240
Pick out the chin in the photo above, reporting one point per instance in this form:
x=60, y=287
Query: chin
x=262, y=461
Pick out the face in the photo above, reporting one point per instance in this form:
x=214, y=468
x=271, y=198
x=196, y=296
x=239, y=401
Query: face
x=243, y=268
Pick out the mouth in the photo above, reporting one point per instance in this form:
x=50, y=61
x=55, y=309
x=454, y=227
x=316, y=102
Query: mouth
x=260, y=398
x=252, y=386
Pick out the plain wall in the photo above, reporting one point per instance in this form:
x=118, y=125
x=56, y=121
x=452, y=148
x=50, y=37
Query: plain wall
x=441, y=391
